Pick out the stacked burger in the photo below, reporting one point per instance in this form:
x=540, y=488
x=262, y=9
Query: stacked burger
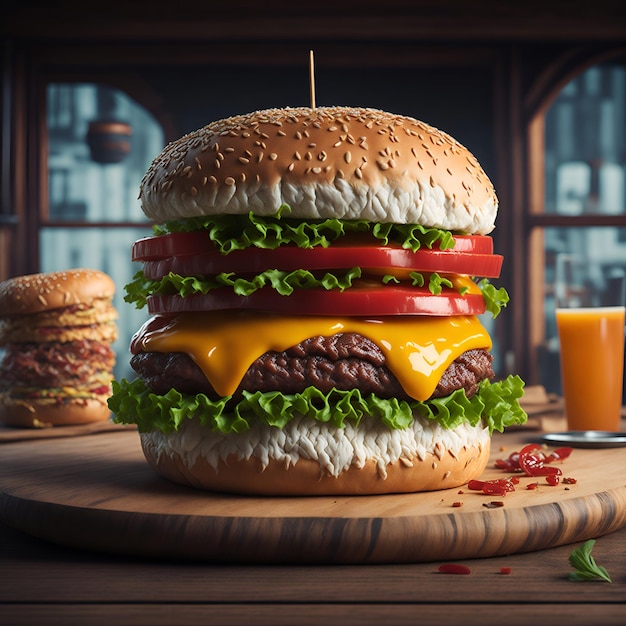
x=314, y=284
x=56, y=331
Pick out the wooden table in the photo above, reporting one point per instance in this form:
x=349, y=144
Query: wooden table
x=45, y=583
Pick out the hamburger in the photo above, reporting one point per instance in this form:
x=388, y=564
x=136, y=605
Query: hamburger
x=313, y=286
x=56, y=331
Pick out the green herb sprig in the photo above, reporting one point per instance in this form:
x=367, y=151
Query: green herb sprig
x=586, y=566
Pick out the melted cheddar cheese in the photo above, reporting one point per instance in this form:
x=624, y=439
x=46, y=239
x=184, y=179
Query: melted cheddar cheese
x=224, y=344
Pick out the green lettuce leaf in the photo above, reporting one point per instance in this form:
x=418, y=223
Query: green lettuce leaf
x=497, y=404
x=495, y=299
x=237, y=232
x=283, y=282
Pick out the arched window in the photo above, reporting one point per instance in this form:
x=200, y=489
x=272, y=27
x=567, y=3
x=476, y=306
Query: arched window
x=100, y=143
x=584, y=201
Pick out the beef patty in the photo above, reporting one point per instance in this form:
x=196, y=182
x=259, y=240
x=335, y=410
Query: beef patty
x=344, y=361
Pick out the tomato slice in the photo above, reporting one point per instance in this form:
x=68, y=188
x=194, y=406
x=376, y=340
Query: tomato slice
x=197, y=242
x=356, y=301
x=383, y=259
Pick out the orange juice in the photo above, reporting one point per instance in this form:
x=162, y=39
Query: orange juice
x=592, y=366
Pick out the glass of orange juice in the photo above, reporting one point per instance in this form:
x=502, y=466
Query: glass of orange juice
x=590, y=294
x=592, y=366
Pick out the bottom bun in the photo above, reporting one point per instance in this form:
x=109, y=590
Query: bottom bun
x=311, y=458
x=43, y=414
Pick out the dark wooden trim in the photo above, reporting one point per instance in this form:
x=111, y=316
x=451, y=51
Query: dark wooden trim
x=576, y=221
x=491, y=20
x=58, y=224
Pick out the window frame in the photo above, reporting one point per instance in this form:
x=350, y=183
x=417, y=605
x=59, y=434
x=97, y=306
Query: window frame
x=541, y=96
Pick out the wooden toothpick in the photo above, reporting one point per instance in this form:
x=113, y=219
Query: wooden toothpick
x=312, y=77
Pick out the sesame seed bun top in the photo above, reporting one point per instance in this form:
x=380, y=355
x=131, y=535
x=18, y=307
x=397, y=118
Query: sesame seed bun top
x=34, y=293
x=351, y=163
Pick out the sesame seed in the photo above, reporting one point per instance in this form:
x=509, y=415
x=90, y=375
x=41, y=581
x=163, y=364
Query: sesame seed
x=212, y=180
x=347, y=157
x=273, y=156
x=229, y=181
x=244, y=160
x=291, y=167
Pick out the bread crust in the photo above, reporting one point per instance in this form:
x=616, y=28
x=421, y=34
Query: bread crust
x=34, y=293
x=306, y=478
x=429, y=462
x=351, y=163
x=46, y=414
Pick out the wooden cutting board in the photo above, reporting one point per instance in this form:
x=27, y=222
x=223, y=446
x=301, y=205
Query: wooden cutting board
x=98, y=492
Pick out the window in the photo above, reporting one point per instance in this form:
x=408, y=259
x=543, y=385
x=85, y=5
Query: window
x=94, y=214
x=584, y=204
